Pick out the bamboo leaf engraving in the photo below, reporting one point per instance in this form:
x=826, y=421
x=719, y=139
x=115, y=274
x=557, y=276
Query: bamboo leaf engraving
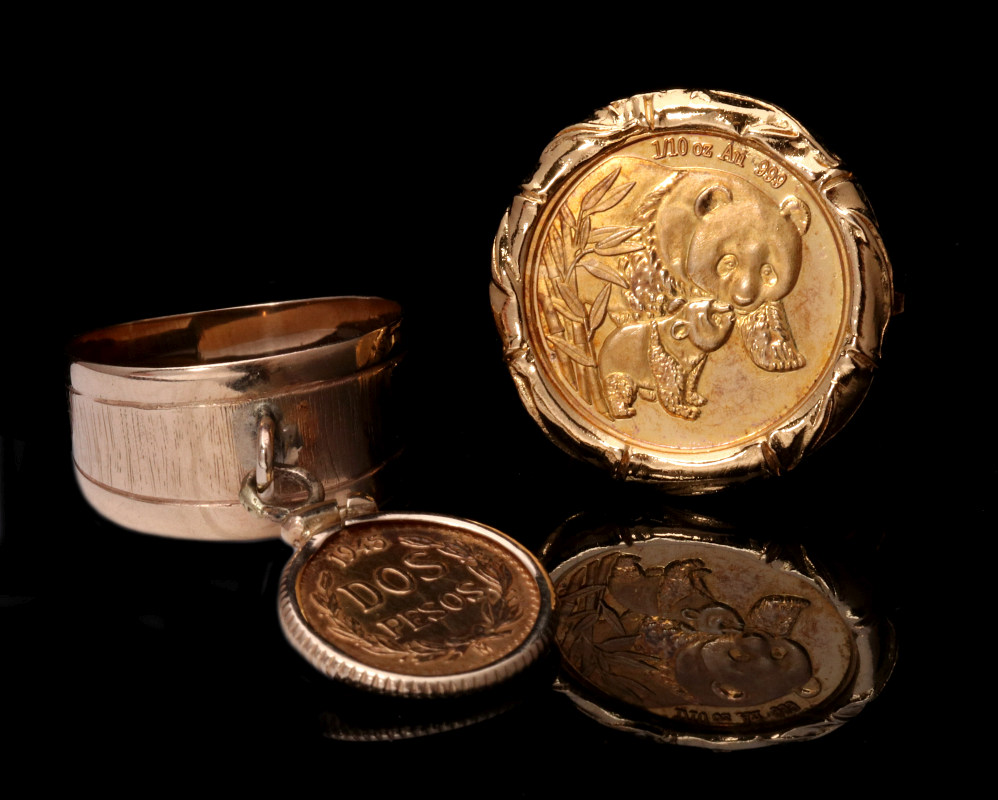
x=611, y=617
x=613, y=198
x=605, y=274
x=584, y=591
x=621, y=644
x=556, y=249
x=572, y=300
x=603, y=568
x=571, y=321
x=597, y=313
x=600, y=233
x=633, y=687
x=584, y=623
x=577, y=355
x=576, y=648
x=615, y=234
x=594, y=195
x=567, y=220
x=619, y=250
x=565, y=311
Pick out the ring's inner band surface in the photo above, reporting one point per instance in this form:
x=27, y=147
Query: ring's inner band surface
x=212, y=337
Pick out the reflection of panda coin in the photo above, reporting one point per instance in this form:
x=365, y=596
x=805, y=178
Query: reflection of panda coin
x=692, y=629
x=688, y=636
x=683, y=301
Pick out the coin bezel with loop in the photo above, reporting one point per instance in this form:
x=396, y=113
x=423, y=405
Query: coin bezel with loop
x=366, y=594
x=182, y=424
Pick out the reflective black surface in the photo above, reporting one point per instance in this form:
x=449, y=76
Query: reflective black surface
x=177, y=197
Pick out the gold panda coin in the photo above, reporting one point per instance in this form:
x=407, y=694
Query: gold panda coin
x=690, y=290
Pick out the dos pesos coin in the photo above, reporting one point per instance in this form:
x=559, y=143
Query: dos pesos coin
x=416, y=604
x=690, y=290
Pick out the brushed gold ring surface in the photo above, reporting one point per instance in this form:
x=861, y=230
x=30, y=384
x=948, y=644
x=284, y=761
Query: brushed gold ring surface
x=165, y=411
x=690, y=290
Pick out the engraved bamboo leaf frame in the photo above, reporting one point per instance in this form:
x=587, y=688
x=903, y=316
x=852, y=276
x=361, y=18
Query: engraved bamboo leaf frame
x=868, y=296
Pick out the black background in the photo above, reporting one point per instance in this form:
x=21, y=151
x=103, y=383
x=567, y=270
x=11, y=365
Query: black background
x=195, y=177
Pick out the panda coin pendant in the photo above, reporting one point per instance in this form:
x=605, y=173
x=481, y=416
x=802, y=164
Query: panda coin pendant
x=697, y=297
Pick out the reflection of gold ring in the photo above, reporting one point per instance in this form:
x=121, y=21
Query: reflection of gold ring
x=165, y=411
x=690, y=290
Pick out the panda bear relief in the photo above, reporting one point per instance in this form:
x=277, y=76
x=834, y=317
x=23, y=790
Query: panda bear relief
x=735, y=255
x=679, y=291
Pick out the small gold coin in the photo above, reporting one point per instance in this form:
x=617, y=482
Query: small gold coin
x=691, y=290
x=416, y=604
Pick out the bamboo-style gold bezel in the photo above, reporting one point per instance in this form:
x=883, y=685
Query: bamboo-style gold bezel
x=774, y=447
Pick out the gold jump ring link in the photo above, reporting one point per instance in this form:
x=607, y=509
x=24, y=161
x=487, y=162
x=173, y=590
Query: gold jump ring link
x=252, y=498
x=266, y=428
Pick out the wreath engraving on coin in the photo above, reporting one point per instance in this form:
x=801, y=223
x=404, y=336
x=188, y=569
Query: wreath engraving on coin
x=656, y=278
x=697, y=642
x=416, y=602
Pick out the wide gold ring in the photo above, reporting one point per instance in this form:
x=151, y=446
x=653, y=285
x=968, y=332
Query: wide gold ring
x=165, y=412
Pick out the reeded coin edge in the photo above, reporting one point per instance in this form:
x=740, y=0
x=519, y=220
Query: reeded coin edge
x=336, y=664
x=874, y=652
x=845, y=383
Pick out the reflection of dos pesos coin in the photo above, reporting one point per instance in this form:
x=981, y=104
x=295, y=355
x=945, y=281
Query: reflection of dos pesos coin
x=416, y=604
x=690, y=290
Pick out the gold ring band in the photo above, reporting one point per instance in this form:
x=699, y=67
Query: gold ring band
x=165, y=411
